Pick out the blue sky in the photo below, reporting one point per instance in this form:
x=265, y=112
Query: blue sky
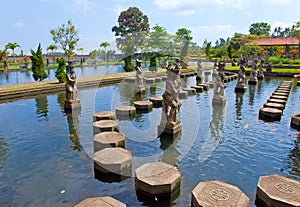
x=28, y=22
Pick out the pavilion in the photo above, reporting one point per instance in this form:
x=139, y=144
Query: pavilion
x=278, y=41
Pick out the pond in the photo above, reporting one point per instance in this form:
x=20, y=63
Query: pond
x=46, y=156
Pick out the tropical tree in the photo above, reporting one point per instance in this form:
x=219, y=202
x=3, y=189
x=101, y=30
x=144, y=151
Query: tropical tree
x=52, y=48
x=12, y=46
x=3, y=55
x=38, y=65
x=60, y=73
x=159, y=39
x=130, y=33
x=229, y=51
x=66, y=38
x=111, y=55
x=185, y=38
x=260, y=28
x=207, y=49
x=105, y=45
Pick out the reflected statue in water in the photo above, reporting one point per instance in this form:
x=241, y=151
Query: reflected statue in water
x=139, y=78
x=71, y=101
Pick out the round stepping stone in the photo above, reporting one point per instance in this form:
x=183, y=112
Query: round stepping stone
x=295, y=121
x=183, y=94
x=211, y=84
x=125, y=112
x=158, y=79
x=217, y=193
x=282, y=91
x=105, y=126
x=278, y=97
x=103, y=115
x=100, y=201
x=143, y=105
x=129, y=79
x=157, y=178
x=108, y=139
x=164, y=78
x=274, y=105
x=205, y=86
x=150, y=80
x=198, y=88
x=275, y=190
x=284, y=88
x=156, y=100
x=280, y=101
x=280, y=94
x=191, y=91
x=113, y=160
x=270, y=114
x=298, y=83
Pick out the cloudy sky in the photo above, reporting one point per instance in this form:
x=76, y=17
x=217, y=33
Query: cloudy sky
x=29, y=22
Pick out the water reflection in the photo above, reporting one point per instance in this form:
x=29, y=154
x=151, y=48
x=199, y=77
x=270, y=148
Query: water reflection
x=215, y=134
x=3, y=151
x=42, y=108
x=238, y=105
x=169, y=146
x=251, y=94
x=293, y=163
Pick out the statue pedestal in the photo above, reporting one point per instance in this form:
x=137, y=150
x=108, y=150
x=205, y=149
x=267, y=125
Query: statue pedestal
x=260, y=77
x=240, y=89
x=140, y=91
x=169, y=128
x=72, y=105
x=252, y=81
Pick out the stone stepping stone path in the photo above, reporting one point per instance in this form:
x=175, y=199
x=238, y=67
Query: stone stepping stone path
x=295, y=121
x=198, y=88
x=217, y=193
x=273, y=109
x=183, y=94
x=157, y=101
x=125, y=112
x=143, y=106
x=205, y=86
x=158, y=79
x=113, y=160
x=100, y=201
x=275, y=190
x=157, y=179
x=150, y=80
x=129, y=79
x=105, y=126
x=108, y=139
x=103, y=115
x=191, y=91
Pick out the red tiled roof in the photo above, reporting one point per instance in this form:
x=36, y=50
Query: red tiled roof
x=278, y=41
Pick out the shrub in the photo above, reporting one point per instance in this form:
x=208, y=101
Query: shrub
x=60, y=73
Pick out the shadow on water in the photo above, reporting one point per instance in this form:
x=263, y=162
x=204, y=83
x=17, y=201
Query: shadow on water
x=293, y=160
x=3, y=152
x=42, y=108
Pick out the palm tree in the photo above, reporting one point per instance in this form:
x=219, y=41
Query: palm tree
x=3, y=55
x=104, y=44
x=52, y=48
x=12, y=46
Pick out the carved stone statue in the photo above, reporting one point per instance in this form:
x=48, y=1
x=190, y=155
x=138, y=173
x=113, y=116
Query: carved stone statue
x=218, y=77
x=269, y=67
x=139, y=78
x=253, y=74
x=241, y=82
x=71, y=89
x=171, y=104
x=260, y=74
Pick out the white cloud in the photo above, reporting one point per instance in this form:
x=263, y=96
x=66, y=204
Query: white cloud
x=279, y=1
x=80, y=5
x=187, y=12
x=117, y=10
x=18, y=24
x=280, y=24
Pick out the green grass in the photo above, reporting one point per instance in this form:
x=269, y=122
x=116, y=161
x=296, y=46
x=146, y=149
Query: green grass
x=275, y=70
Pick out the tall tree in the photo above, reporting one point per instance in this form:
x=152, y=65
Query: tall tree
x=12, y=46
x=66, y=38
x=207, y=49
x=60, y=72
x=38, y=66
x=131, y=30
x=105, y=45
x=260, y=28
x=159, y=39
x=52, y=48
x=185, y=39
x=3, y=55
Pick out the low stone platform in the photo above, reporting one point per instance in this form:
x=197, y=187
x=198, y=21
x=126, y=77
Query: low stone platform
x=158, y=79
x=205, y=86
x=164, y=78
x=274, y=105
x=191, y=91
x=295, y=121
x=183, y=94
x=280, y=101
x=277, y=191
x=157, y=178
x=129, y=79
x=114, y=160
x=125, y=112
x=103, y=115
x=278, y=97
x=211, y=84
x=252, y=82
x=240, y=89
x=105, y=126
x=270, y=114
x=108, y=139
x=72, y=106
x=298, y=83
x=156, y=100
x=100, y=201
x=144, y=106
x=281, y=91
x=198, y=88
x=150, y=80
x=280, y=94
x=217, y=193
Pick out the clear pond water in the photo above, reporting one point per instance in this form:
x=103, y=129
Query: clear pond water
x=46, y=156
